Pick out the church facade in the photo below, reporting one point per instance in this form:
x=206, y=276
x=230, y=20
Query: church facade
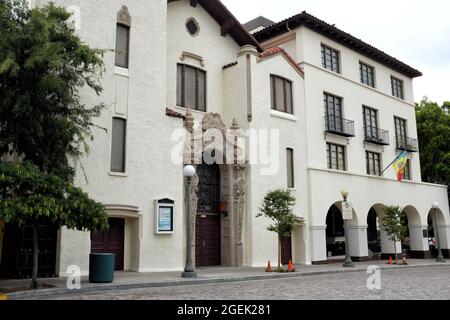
x=297, y=105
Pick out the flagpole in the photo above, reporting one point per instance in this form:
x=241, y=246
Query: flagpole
x=391, y=163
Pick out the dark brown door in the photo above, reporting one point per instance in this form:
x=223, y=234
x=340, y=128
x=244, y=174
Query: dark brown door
x=207, y=242
x=17, y=251
x=111, y=241
x=286, y=250
x=207, y=227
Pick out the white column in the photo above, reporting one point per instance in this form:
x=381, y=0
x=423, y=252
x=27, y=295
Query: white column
x=387, y=246
x=74, y=248
x=416, y=239
x=357, y=238
x=318, y=243
x=444, y=236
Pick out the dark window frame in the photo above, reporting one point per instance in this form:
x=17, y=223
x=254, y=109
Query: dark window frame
x=371, y=128
x=374, y=168
x=367, y=74
x=290, y=163
x=124, y=146
x=401, y=126
x=335, y=120
x=273, y=92
x=407, y=176
x=398, y=87
x=127, y=52
x=182, y=103
x=330, y=152
x=334, y=63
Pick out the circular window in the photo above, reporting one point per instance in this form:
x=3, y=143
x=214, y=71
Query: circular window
x=192, y=27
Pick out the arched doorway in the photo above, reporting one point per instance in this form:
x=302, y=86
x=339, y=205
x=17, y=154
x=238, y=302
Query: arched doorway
x=207, y=226
x=413, y=243
x=373, y=234
x=435, y=220
x=335, y=233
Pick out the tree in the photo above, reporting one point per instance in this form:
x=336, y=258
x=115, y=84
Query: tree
x=433, y=128
x=393, y=223
x=43, y=65
x=44, y=126
x=30, y=196
x=277, y=206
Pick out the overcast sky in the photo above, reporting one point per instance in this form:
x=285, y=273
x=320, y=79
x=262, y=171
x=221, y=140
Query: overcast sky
x=416, y=32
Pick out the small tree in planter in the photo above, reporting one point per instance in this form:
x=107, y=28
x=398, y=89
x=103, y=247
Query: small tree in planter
x=393, y=223
x=277, y=206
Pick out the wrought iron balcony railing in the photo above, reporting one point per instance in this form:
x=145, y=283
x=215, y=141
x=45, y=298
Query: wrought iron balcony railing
x=407, y=144
x=339, y=126
x=377, y=136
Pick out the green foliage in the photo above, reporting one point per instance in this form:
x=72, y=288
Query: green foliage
x=433, y=128
x=43, y=124
x=277, y=206
x=43, y=64
x=29, y=195
x=394, y=223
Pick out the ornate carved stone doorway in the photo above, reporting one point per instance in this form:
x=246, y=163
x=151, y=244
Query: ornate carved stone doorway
x=231, y=191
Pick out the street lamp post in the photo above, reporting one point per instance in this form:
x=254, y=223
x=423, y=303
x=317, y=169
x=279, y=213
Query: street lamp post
x=189, y=271
x=348, y=263
x=440, y=257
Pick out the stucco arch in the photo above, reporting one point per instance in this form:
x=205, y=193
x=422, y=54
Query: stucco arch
x=413, y=215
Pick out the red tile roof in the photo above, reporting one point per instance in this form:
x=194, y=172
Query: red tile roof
x=278, y=50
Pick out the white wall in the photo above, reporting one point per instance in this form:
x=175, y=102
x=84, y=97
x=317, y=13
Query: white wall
x=292, y=135
x=215, y=50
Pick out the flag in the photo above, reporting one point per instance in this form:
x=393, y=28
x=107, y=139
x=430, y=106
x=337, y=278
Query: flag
x=400, y=164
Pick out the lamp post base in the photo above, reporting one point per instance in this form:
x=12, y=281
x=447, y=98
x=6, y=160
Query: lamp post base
x=348, y=264
x=190, y=274
x=440, y=260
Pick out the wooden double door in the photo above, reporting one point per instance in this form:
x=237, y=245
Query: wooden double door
x=207, y=226
x=111, y=241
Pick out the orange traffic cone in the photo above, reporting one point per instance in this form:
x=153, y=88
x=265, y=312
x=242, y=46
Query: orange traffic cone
x=390, y=260
x=269, y=268
x=290, y=266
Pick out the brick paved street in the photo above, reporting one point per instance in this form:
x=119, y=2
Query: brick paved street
x=420, y=283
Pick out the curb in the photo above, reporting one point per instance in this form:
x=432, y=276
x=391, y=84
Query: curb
x=23, y=295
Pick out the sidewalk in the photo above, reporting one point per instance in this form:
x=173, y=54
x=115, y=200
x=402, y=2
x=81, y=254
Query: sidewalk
x=16, y=289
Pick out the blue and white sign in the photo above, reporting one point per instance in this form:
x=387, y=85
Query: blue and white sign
x=164, y=216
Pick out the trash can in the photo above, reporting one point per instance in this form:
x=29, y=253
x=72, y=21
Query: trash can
x=101, y=267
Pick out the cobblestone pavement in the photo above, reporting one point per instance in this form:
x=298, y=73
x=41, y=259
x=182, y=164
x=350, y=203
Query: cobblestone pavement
x=420, y=283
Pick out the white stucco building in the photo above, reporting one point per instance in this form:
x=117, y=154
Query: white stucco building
x=337, y=110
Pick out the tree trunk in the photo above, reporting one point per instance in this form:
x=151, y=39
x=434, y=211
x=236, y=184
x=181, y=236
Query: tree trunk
x=34, y=281
x=395, y=250
x=279, y=252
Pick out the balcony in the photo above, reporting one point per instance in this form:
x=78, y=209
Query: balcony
x=339, y=126
x=376, y=136
x=407, y=144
